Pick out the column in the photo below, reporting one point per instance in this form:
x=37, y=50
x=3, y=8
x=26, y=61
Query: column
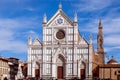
x=54, y=71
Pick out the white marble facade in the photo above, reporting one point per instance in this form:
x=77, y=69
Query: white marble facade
x=63, y=46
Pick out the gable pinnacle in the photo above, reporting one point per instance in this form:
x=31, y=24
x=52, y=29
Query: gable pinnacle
x=90, y=39
x=37, y=37
x=45, y=18
x=75, y=17
x=60, y=6
x=29, y=40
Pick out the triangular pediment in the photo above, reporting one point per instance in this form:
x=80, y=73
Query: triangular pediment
x=59, y=15
x=81, y=39
x=36, y=42
x=59, y=51
x=57, y=54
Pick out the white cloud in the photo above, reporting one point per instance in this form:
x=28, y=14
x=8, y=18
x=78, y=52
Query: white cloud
x=33, y=34
x=13, y=46
x=8, y=42
x=112, y=40
x=6, y=34
x=9, y=23
x=91, y=5
x=10, y=39
x=111, y=30
x=110, y=49
x=30, y=9
x=110, y=26
x=17, y=23
x=15, y=1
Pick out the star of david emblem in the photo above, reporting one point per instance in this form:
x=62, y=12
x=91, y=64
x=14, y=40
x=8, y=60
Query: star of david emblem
x=59, y=21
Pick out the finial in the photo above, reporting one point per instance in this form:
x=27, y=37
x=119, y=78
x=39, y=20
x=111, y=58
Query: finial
x=90, y=39
x=100, y=23
x=75, y=17
x=112, y=57
x=29, y=40
x=60, y=6
x=37, y=37
x=29, y=37
x=44, y=18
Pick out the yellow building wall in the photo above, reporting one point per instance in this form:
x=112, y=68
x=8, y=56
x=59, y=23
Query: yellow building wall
x=4, y=69
x=108, y=73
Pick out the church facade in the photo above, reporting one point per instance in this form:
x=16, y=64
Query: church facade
x=63, y=53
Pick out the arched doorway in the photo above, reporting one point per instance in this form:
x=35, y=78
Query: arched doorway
x=82, y=71
x=37, y=69
x=5, y=78
x=118, y=77
x=60, y=67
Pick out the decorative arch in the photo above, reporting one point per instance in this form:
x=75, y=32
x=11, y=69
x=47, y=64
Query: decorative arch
x=83, y=65
x=5, y=78
x=58, y=54
x=59, y=59
x=82, y=69
x=60, y=66
x=36, y=67
x=62, y=57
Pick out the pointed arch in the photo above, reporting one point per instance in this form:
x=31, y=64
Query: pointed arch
x=58, y=54
x=62, y=57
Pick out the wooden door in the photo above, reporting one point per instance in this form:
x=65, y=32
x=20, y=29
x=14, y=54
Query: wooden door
x=82, y=71
x=37, y=72
x=60, y=72
x=118, y=77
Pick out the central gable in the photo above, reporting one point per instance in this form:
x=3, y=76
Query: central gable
x=59, y=19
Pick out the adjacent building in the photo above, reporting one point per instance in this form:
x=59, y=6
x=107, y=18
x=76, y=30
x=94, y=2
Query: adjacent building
x=13, y=64
x=111, y=70
x=11, y=68
x=4, y=68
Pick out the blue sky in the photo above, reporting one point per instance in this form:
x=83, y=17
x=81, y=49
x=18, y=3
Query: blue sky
x=22, y=18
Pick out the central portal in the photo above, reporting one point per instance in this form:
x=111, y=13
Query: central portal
x=82, y=71
x=37, y=72
x=60, y=67
x=60, y=72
